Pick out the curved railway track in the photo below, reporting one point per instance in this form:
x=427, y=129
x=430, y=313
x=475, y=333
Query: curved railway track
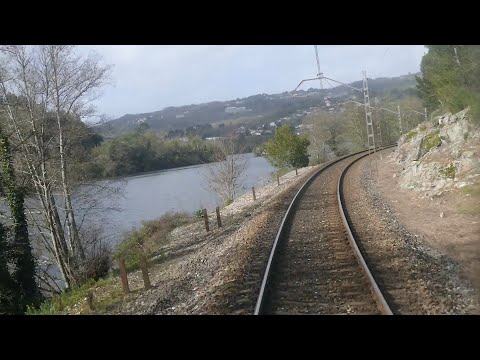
x=315, y=265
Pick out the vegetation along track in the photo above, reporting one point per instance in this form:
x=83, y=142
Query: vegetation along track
x=315, y=266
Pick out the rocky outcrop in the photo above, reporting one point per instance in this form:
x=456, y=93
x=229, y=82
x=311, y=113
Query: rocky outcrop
x=439, y=155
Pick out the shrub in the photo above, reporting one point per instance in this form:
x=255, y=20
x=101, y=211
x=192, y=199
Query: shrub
x=448, y=171
x=58, y=303
x=149, y=238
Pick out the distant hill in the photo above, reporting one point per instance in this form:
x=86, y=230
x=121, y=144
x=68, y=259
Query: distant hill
x=253, y=110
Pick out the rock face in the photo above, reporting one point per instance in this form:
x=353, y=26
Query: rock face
x=439, y=155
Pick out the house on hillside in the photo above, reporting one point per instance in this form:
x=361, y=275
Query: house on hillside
x=234, y=110
x=241, y=130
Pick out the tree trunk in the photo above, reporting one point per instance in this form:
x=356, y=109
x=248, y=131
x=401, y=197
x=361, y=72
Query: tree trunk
x=69, y=213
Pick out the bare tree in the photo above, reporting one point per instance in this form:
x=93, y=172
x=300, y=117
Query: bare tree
x=47, y=90
x=356, y=132
x=224, y=175
x=318, y=134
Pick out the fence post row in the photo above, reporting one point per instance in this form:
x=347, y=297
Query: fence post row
x=123, y=275
x=205, y=217
x=219, y=220
x=144, y=268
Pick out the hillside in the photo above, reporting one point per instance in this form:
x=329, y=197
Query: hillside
x=253, y=110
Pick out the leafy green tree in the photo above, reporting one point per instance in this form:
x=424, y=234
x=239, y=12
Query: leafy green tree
x=287, y=149
x=142, y=127
x=451, y=78
x=9, y=292
x=139, y=152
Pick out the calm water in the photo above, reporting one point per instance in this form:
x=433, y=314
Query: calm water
x=151, y=195
x=148, y=197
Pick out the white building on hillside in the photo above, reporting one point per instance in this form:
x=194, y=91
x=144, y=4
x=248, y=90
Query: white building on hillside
x=233, y=109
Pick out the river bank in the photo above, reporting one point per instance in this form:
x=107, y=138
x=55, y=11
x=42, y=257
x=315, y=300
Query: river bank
x=195, y=265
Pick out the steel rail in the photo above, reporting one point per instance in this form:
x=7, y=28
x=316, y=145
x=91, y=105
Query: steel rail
x=377, y=294
x=262, y=293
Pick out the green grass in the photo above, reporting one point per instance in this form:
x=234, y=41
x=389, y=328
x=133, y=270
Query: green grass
x=108, y=292
x=422, y=128
x=107, y=295
x=410, y=135
x=280, y=172
x=149, y=238
x=473, y=190
x=59, y=302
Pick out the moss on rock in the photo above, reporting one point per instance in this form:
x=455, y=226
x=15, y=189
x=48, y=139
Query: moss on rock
x=448, y=171
x=430, y=141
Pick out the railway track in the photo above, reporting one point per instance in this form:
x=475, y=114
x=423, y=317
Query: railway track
x=315, y=266
x=410, y=279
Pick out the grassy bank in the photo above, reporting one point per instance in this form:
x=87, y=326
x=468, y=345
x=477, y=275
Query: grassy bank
x=98, y=297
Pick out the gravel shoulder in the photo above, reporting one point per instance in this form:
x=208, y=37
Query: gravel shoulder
x=418, y=256
x=449, y=222
x=218, y=272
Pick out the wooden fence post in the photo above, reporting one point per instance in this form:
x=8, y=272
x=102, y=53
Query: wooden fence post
x=296, y=171
x=123, y=275
x=90, y=303
x=278, y=180
x=253, y=192
x=205, y=217
x=219, y=220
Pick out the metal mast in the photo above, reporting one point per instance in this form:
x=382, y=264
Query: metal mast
x=320, y=75
x=399, y=120
x=368, y=115
x=379, y=133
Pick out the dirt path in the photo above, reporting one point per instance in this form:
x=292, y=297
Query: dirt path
x=450, y=222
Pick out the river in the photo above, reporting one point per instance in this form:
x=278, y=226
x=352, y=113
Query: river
x=151, y=195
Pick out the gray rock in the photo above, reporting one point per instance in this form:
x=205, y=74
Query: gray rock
x=422, y=170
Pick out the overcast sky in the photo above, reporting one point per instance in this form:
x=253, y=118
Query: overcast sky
x=150, y=77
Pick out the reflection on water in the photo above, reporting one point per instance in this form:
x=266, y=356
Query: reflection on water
x=151, y=195
x=145, y=197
